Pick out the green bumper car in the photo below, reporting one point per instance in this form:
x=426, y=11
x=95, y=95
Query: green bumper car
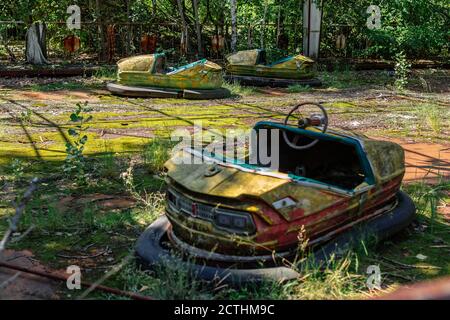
x=147, y=76
x=249, y=67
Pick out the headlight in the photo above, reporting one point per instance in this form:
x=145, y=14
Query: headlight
x=235, y=221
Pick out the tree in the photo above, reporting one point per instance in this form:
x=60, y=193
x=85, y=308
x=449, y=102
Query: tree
x=197, y=28
x=185, y=33
x=233, y=25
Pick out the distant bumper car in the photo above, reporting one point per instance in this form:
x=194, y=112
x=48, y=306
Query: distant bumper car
x=249, y=68
x=147, y=76
x=240, y=221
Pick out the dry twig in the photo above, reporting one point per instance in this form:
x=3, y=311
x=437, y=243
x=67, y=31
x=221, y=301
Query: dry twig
x=13, y=225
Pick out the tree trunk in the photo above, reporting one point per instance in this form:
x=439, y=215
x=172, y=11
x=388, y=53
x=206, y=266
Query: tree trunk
x=185, y=32
x=197, y=28
x=282, y=38
x=233, y=26
x=35, y=50
x=100, y=32
x=128, y=45
x=154, y=8
x=263, y=27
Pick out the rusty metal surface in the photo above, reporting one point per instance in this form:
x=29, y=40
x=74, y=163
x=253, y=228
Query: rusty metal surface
x=149, y=71
x=250, y=63
x=319, y=208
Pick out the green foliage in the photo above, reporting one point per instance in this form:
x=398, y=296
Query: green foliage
x=25, y=116
x=298, y=88
x=156, y=153
x=237, y=90
x=420, y=28
x=431, y=118
x=75, y=164
x=402, y=69
x=17, y=168
x=429, y=197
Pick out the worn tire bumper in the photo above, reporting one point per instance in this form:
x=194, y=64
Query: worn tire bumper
x=149, y=92
x=271, y=82
x=151, y=253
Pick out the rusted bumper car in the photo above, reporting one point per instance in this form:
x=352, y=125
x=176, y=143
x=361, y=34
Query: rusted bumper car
x=241, y=221
x=249, y=67
x=147, y=76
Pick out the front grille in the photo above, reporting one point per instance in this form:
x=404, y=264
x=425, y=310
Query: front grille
x=229, y=220
x=189, y=207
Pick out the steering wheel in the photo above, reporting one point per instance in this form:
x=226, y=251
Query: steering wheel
x=315, y=120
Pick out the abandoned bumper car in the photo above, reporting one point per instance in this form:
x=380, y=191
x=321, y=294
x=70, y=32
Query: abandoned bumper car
x=241, y=222
x=249, y=67
x=147, y=76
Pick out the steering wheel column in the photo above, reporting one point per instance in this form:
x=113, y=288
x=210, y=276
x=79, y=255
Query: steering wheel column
x=319, y=121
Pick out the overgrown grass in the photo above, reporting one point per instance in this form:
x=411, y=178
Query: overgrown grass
x=431, y=117
x=239, y=90
x=298, y=88
x=106, y=73
x=156, y=153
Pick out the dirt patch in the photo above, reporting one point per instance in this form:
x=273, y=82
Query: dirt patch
x=62, y=95
x=120, y=133
x=102, y=201
x=25, y=286
x=427, y=162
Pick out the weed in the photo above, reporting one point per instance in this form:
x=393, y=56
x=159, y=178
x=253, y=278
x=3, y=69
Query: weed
x=156, y=153
x=17, y=168
x=153, y=202
x=428, y=197
x=238, y=90
x=431, y=118
x=298, y=88
x=107, y=165
x=75, y=165
x=106, y=73
x=25, y=116
x=402, y=69
x=166, y=282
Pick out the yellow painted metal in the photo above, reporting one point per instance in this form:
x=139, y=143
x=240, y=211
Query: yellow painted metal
x=150, y=71
x=251, y=63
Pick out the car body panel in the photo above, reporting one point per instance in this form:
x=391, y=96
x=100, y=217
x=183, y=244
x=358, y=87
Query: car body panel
x=319, y=209
x=149, y=71
x=249, y=63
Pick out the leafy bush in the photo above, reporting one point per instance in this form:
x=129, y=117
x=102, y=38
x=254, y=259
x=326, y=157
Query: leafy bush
x=75, y=165
x=402, y=69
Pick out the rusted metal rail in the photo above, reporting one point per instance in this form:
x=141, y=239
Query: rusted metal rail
x=59, y=277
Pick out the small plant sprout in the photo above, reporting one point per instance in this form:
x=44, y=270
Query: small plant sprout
x=74, y=165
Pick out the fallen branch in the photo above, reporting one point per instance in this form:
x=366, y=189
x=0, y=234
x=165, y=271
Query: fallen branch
x=24, y=234
x=410, y=266
x=83, y=257
x=110, y=273
x=10, y=280
x=13, y=225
